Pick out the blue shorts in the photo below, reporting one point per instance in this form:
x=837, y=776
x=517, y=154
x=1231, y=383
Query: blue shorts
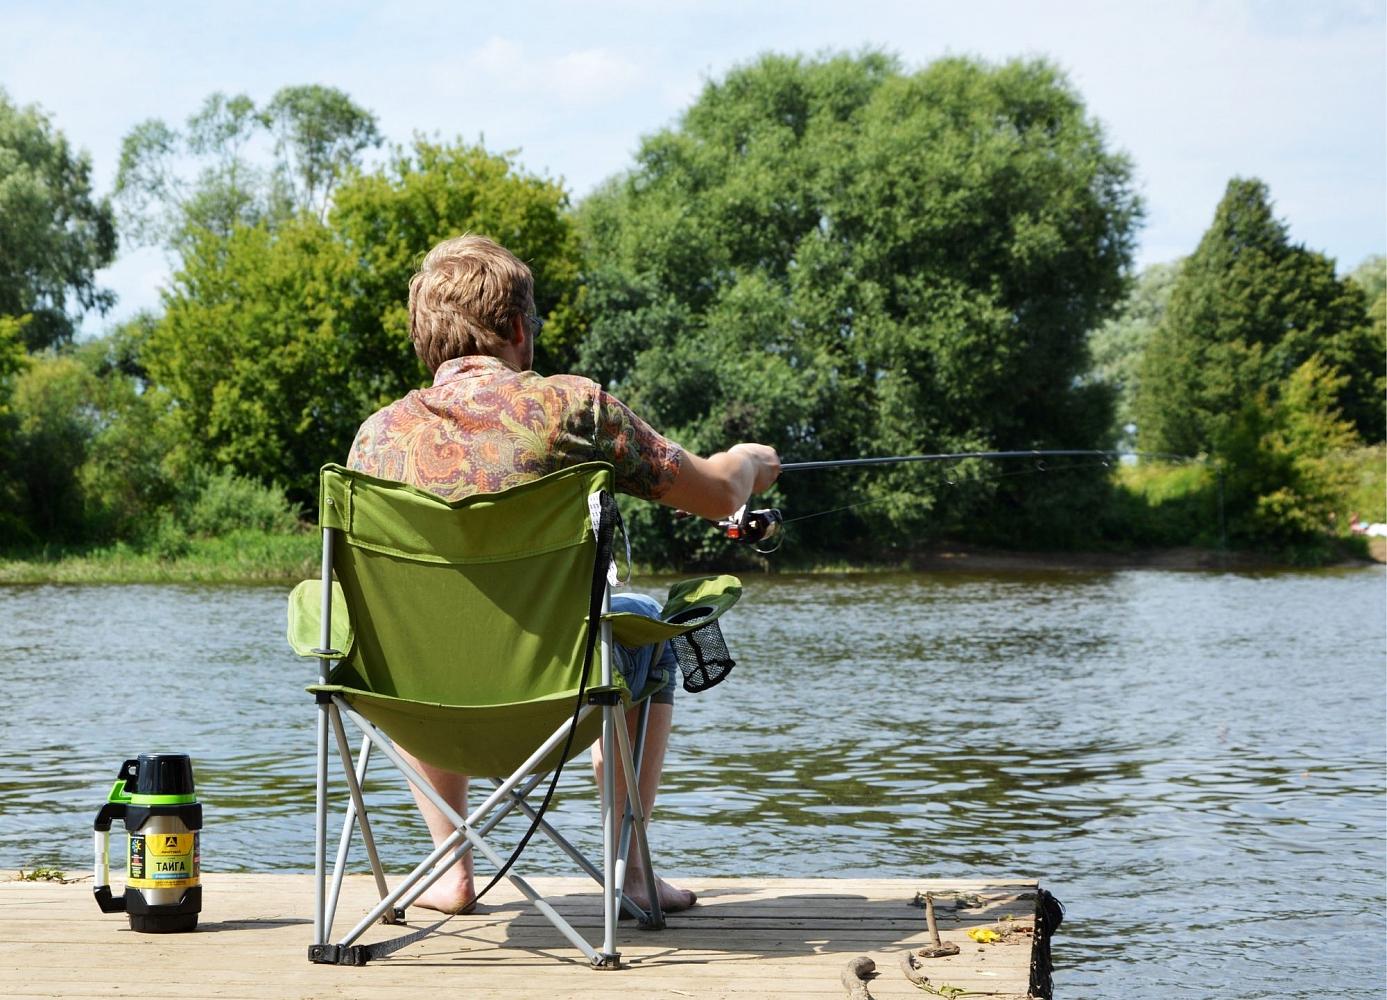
x=637, y=663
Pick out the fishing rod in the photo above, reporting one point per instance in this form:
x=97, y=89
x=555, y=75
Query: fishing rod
x=753, y=527
x=841, y=463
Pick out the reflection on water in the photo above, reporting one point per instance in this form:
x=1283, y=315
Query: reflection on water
x=1193, y=762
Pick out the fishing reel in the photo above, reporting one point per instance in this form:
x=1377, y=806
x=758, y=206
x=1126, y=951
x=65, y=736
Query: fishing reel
x=753, y=527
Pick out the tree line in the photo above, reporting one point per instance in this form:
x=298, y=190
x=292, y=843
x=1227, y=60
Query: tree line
x=835, y=255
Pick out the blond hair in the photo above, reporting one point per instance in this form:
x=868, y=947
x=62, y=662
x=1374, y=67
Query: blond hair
x=463, y=299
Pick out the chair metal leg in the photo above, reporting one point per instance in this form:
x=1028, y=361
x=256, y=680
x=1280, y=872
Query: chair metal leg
x=633, y=798
x=363, y=819
x=610, y=958
x=517, y=801
x=344, y=843
x=505, y=808
x=320, y=931
x=465, y=831
x=320, y=834
x=624, y=903
x=627, y=817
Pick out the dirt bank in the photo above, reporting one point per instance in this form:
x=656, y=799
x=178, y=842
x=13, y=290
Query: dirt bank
x=961, y=557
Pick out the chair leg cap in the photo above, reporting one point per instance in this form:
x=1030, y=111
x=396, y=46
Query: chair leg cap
x=336, y=954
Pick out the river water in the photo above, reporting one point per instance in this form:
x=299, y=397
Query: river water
x=1192, y=762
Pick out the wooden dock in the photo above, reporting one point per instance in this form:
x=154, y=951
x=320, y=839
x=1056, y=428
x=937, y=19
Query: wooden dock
x=747, y=938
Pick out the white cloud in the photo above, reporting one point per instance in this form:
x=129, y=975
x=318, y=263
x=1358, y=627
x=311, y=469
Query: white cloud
x=498, y=57
x=591, y=76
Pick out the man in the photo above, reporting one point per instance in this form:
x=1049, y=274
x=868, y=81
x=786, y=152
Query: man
x=489, y=423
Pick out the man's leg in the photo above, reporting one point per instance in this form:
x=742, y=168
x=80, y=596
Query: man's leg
x=652, y=764
x=637, y=665
x=454, y=891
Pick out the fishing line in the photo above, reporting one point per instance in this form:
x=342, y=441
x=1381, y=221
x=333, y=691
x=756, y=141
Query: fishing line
x=755, y=526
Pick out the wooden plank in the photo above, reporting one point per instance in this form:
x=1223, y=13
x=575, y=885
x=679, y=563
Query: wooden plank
x=774, y=938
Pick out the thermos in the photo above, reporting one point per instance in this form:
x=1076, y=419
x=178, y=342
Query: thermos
x=154, y=798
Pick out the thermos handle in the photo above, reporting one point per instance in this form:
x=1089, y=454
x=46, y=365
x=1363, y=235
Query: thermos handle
x=101, y=876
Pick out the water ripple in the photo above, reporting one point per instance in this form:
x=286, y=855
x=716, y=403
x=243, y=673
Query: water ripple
x=1192, y=762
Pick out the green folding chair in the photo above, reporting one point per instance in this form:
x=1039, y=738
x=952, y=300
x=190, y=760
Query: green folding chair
x=476, y=635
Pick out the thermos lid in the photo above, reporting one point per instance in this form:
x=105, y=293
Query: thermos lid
x=164, y=774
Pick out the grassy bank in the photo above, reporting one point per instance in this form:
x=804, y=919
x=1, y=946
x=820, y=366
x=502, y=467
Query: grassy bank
x=243, y=556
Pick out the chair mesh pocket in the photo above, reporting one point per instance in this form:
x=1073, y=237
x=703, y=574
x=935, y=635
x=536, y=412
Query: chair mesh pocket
x=702, y=653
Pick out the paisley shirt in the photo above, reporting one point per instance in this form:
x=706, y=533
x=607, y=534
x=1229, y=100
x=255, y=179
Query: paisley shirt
x=483, y=427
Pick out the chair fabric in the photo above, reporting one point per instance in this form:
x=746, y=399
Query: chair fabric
x=468, y=619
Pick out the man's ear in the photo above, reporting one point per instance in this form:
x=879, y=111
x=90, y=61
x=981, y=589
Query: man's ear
x=517, y=329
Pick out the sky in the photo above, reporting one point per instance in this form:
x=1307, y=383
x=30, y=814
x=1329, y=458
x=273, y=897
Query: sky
x=1194, y=91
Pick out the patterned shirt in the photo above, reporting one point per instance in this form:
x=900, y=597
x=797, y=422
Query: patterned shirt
x=483, y=427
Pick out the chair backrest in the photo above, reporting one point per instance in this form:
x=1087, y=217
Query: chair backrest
x=477, y=602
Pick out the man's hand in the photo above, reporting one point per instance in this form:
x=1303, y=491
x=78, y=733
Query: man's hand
x=716, y=486
x=766, y=461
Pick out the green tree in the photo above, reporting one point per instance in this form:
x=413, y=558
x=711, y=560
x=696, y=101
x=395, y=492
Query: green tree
x=1286, y=459
x=1249, y=308
x=1119, y=344
x=387, y=219
x=161, y=204
x=55, y=235
x=134, y=471
x=56, y=420
x=12, y=357
x=319, y=138
x=212, y=177
x=277, y=341
x=843, y=258
x=87, y=446
x=249, y=351
x=1371, y=276
x=13, y=360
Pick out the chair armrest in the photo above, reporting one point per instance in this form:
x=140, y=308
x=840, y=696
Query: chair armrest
x=306, y=620
x=691, y=604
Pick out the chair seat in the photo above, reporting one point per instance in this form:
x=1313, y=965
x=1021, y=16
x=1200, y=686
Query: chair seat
x=495, y=739
x=485, y=739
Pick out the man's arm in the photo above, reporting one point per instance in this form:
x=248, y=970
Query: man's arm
x=716, y=486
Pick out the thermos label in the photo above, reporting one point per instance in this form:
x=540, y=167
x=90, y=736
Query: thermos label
x=164, y=860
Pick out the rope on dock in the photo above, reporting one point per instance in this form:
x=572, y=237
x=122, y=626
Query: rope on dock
x=855, y=975
x=912, y=969
x=1049, y=914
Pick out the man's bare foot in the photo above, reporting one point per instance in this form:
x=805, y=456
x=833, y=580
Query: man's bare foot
x=448, y=896
x=672, y=898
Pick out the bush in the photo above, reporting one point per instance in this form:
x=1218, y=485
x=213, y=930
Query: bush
x=226, y=502
x=1160, y=504
x=167, y=540
x=1367, y=492
x=1287, y=477
x=53, y=421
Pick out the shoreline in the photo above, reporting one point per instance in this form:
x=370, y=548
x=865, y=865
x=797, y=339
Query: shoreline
x=1187, y=558
x=955, y=558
